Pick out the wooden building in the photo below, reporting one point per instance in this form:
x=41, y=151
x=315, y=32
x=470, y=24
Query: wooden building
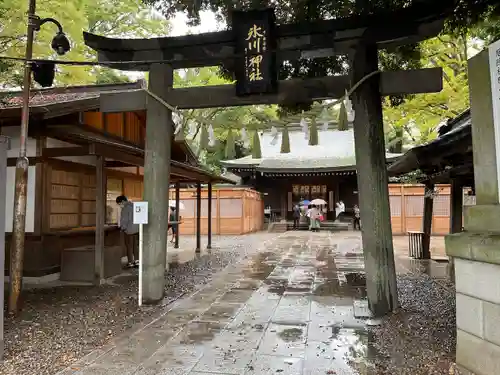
x=326, y=171
x=80, y=160
x=236, y=210
x=445, y=160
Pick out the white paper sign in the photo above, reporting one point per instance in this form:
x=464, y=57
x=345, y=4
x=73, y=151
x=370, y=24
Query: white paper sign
x=140, y=212
x=494, y=60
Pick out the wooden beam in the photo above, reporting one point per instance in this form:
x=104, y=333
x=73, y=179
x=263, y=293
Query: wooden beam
x=456, y=206
x=65, y=151
x=100, y=215
x=338, y=36
x=427, y=222
x=198, y=217
x=397, y=82
x=209, y=226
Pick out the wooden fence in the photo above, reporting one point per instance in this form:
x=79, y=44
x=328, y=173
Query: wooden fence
x=234, y=210
x=407, y=208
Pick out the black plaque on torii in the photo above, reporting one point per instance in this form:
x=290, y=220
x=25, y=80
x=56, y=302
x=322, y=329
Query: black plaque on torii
x=255, y=47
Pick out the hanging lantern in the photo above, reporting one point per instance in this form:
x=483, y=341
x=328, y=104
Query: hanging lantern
x=211, y=136
x=230, y=145
x=313, y=136
x=256, y=151
x=44, y=73
x=285, y=141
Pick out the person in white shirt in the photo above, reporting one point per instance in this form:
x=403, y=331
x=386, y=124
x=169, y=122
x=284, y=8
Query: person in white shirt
x=129, y=230
x=339, y=208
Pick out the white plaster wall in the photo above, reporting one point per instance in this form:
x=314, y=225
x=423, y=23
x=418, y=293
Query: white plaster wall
x=9, y=196
x=53, y=143
x=13, y=134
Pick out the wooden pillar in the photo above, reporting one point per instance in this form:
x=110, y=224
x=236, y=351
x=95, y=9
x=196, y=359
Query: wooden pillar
x=177, y=212
x=100, y=220
x=159, y=129
x=209, y=241
x=427, y=221
x=198, y=217
x=456, y=206
x=373, y=184
x=283, y=204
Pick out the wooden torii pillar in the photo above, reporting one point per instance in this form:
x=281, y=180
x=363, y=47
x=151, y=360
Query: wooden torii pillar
x=373, y=183
x=159, y=125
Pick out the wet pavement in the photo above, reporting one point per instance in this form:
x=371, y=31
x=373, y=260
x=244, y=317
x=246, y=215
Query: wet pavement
x=295, y=307
x=294, y=304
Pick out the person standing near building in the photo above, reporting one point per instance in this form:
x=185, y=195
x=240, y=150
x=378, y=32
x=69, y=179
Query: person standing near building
x=315, y=214
x=357, y=218
x=129, y=231
x=296, y=216
x=172, y=223
x=339, y=208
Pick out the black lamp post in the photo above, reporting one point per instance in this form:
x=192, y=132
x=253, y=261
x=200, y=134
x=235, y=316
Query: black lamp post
x=44, y=74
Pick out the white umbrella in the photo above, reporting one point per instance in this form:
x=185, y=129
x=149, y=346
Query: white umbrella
x=318, y=202
x=172, y=204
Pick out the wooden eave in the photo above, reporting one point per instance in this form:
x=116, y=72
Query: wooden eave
x=120, y=152
x=450, y=149
x=387, y=29
x=43, y=115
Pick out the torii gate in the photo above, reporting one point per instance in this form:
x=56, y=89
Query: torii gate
x=358, y=37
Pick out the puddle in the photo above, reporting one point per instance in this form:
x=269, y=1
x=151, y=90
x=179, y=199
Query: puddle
x=335, y=289
x=290, y=334
x=198, y=332
x=356, y=279
x=347, y=351
x=261, y=266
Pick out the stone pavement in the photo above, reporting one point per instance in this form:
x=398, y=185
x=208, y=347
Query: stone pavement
x=290, y=309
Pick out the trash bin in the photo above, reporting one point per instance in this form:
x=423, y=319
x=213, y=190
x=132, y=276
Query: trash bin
x=415, y=245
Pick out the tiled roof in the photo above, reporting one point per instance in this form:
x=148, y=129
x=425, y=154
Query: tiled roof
x=43, y=97
x=335, y=150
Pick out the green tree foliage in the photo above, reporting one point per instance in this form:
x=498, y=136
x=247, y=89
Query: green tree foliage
x=108, y=76
x=129, y=18
x=417, y=118
x=221, y=119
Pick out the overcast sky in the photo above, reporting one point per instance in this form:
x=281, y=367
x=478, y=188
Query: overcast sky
x=207, y=24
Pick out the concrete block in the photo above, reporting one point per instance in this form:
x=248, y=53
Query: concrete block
x=482, y=218
x=470, y=315
x=482, y=247
x=477, y=355
x=491, y=314
x=478, y=279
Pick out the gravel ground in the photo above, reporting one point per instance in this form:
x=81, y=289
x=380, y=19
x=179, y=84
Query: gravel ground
x=420, y=338
x=59, y=325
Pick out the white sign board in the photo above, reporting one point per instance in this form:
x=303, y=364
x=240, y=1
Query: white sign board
x=140, y=213
x=494, y=60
